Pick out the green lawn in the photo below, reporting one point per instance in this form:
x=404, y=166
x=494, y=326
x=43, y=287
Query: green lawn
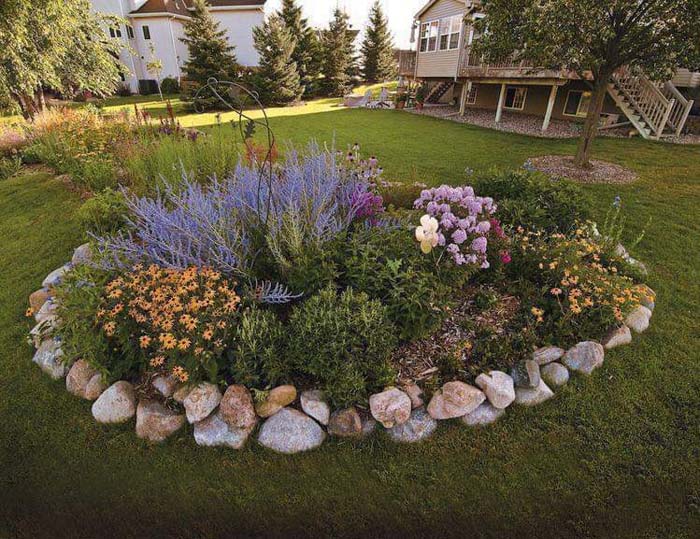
x=615, y=455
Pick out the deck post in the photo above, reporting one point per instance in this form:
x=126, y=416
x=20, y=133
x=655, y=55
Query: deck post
x=550, y=107
x=501, y=102
x=466, y=89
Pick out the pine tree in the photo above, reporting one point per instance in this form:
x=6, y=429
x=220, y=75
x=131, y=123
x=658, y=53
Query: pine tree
x=338, y=55
x=378, y=62
x=307, y=50
x=278, y=76
x=210, y=54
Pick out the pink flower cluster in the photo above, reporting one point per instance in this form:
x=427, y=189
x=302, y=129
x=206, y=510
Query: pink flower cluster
x=464, y=221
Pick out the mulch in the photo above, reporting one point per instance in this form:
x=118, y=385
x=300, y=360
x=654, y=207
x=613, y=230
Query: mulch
x=563, y=167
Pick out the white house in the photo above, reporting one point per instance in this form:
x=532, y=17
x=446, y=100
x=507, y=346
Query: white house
x=154, y=28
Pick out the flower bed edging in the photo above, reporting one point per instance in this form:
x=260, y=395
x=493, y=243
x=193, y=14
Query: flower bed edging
x=229, y=418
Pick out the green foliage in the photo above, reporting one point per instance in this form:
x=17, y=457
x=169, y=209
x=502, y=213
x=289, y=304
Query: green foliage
x=9, y=166
x=307, y=49
x=338, y=55
x=257, y=356
x=278, y=76
x=378, y=62
x=532, y=200
x=342, y=343
x=170, y=86
x=104, y=213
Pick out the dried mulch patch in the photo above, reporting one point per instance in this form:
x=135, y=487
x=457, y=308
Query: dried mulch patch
x=562, y=166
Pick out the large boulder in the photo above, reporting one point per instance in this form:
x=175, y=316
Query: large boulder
x=485, y=414
x=201, y=401
x=276, y=399
x=498, y=387
x=54, y=278
x=585, y=357
x=415, y=393
x=79, y=377
x=215, y=431
x=38, y=298
x=529, y=396
x=165, y=384
x=155, y=422
x=47, y=312
x=555, y=374
x=418, y=427
x=49, y=357
x=455, y=399
x=291, y=431
x=345, y=423
x=116, y=405
x=547, y=354
x=617, y=337
x=526, y=373
x=390, y=407
x=638, y=319
x=237, y=408
x=95, y=387
x=314, y=405
x=81, y=255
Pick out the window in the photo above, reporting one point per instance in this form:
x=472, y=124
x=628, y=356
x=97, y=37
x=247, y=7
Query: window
x=471, y=96
x=429, y=36
x=515, y=98
x=577, y=103
x=130, y=31
x=450, y=30
x=115, y=32
x=146, y=32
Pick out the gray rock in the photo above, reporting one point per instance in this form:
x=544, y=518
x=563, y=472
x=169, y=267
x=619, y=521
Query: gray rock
x=276, y=399
x=390, y=407
x=155, y=422
x=79, y=377
x=42, y=331
x=181, y=393
x=621, y=251
x=201, y=401
x=485, y=414
x=641, y=266
x=345, y=423
x=526, y=373
x=165, y=385
x=498, y=387
x=532, y=396
x=81, y=255
x=638, y=320
x=38, y=298
x=95, y=387
x=555, y=374
x=415, y=393
x=116, y=405
x=617, y=337
x=291, y=431
x=585, y=357
x=369, y=425
x=214, y=431
x=418, y=427
x=237, y=408
x=54, y=278
x=314, y=404
x=47, y=312
x=455, y=399
x=49, y=357
x=649, y=299
x=547, y=354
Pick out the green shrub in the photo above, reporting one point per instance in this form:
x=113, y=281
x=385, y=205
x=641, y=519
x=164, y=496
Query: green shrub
x=533, y=201
x=9, y=166
x=257, y=356
x=342, y=343
x=169, y=85
x=105, y=213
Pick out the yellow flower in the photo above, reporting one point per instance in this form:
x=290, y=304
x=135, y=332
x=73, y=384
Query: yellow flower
x=184, y=344
x=208, y=334
x=145, y=341
x=555, y=291
x=157, y=361
x=29, y=312
x=553, y=265
x=167, y=341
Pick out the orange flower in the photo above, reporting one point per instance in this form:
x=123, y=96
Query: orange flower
x=145, y=341
x=29, y=312
x=184, y=344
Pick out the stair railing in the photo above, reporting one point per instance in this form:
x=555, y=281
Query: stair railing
x=681, y=108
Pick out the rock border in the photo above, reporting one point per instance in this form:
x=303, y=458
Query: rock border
x=229, y=419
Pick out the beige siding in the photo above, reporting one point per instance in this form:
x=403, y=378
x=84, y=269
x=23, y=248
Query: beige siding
x=439, y=63
x=685, y=78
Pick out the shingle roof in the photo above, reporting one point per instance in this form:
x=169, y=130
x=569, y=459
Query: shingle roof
x=181, y=7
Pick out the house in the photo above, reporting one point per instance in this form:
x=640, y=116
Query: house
x=444, y=33
x=152, y=29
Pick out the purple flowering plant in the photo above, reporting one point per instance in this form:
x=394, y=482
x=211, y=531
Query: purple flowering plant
x=456, y=220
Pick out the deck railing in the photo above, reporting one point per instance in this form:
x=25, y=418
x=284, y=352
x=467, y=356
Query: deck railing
x=469, y=60
x=681, y=107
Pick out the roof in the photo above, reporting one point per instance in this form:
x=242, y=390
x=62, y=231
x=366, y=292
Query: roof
x=235, y=3
x=182, y=7
x=470, y=4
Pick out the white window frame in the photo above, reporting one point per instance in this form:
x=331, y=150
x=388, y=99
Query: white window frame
x=428, y=25
x=579, y=113
x=472, y=95
x=516, y=88
x=454, y=20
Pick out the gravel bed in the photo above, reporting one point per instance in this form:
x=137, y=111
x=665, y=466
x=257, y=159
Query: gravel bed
x=562, y=166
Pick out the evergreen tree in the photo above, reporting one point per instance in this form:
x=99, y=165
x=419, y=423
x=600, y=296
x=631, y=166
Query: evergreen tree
x=307, y=50
x=378, y=62
x=338, y=43
x=278, y=76
x=210, y=54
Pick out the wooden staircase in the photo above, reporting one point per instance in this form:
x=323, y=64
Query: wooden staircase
x=437, y=91
x=654, y=110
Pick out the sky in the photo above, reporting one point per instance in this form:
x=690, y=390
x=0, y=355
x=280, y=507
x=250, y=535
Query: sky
x=399, y=12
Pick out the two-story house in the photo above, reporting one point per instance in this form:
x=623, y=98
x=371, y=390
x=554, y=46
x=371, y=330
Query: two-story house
x=444, y=33
x=153, y=30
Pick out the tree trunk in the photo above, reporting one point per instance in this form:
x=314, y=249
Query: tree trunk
x=590, y=127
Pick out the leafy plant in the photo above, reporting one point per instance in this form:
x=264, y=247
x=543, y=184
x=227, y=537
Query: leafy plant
x=9, y=166
x=104, y=213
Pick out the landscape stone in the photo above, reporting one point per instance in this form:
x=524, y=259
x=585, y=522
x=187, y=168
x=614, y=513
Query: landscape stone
x=116, y=405
x=95, y=387
x=555, y=374
x=314, y=405
x=649, y=299
x=54, y=278
x=201, y=401
x=547, y=354
x=455, y=399
x=237, y=408
x=42, y=331
x=49, y=358
x=418, y=427
x=532, y=396
x=38, y=298
x=165, y=385
x=638, y=319
x=276, y=399
x=585, y=357
x=215, y=431
x=155, y=422
x=498, y=387
x=47, y=312
x=415, y=393
x=617, y=337
x=290, y=431
x=181, y=393
x=526, y=373
x=79, y=377
x=485, y=414
x=390, y=407
x=345, y=423
x=81, y=255
x=369, y=425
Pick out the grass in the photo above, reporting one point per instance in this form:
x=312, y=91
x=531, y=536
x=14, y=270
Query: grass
x=614, y=455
